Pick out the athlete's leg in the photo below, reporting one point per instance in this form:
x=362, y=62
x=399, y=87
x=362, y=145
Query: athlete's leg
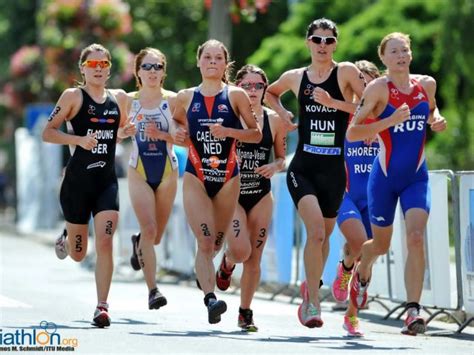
x=355, y=235
x=259, y=218
x=77, y=235
x=415, y=221
x=165, y=195
x=224, y=204
x=310, y=212
x=105, y=224
x=238, y=246
x=143, y=202
x=329, y=224
x=371, y=249
x=198, y=208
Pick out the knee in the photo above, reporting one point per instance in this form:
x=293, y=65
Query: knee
x=148, y=232
x=415, y=239
x=104, y=246
x=316, y=235
x=241, y=254
x=206, y=247
x=380, y=248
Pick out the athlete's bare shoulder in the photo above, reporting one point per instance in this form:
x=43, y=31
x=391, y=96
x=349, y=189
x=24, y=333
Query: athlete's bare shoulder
x=425, y=80
x=168, y=93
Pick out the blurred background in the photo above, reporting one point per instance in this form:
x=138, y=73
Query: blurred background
x=41, y=41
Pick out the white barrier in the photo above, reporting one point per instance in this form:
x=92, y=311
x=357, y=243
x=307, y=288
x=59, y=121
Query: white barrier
x=38, y=171
x=466, y=214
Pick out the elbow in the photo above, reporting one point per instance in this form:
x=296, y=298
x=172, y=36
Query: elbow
x=257, y=136
x=45, y=136
x=351, y=136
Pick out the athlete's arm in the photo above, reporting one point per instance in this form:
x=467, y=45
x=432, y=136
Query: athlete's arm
x=279, y=147
x=179, y=130
x=67, y=107
x=242, y=107
x=287, y=81
x=322, y=97
x=126, y=128
x=435, y=120
x=152, y=131
x=371, y=99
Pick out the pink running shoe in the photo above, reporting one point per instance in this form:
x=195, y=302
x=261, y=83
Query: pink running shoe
x=414, y=323
x=339, y=288
x=358, y=293
x=351, y=324
x=308, y=314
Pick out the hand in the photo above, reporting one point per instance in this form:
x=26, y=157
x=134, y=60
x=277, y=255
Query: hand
x=401, y=114
x=151, y=131
x=129, y=129
x=267, y=170
x=439, y=124
x=369, y=141
x=89, y=142
x=218, y=131
x=322, y=97
x=287, y=118
x=179, y=135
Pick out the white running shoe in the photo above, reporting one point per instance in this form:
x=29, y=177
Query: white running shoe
x=60, y=247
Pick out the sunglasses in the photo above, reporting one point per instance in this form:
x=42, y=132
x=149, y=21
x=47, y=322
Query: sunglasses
x=250, y=86
x=148, y=66
x=322, y=39
x=97, y=63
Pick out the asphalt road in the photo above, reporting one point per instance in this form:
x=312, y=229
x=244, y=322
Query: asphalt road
x=38, y=292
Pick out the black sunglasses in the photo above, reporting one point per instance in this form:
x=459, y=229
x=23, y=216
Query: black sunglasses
x=322, y=39
x=148, y=66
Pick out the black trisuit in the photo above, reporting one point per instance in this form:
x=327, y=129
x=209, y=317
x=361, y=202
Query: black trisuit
x=317, y=167
x=253, y=186
x=90, y=184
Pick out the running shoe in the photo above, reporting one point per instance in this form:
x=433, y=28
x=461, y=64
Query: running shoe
x=339, y=288
x=308, y=314
x=414, y=323
x=215, y=308
x=101, y=316
x=223, y=276
x=156, y=299
x=245, y=321
x=358, y=293
x=60, y=246
x=134, y=258
x=351, y=325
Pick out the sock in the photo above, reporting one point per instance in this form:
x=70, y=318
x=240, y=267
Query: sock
x=243, y=310
x=208, y=297
x=413, y=305
x=345, y=267
x=102, y=304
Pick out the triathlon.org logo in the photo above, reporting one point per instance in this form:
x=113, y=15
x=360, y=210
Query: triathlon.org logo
x=46, y=338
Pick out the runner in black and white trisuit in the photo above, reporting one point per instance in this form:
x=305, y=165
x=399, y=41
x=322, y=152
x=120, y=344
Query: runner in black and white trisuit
x=316, y=176
x=210, y=113
x=94, y=117
x=248, y=232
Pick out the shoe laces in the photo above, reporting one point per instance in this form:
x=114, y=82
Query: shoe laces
x=353, y=321
x=345, y=278
x=312, y=310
